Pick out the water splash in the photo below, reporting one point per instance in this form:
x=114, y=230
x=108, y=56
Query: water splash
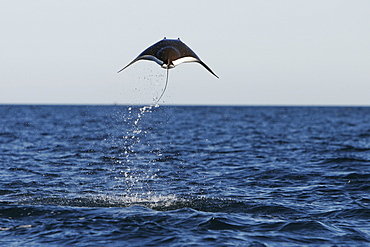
x=143, y=110
x=103, y=200
x=133, y=171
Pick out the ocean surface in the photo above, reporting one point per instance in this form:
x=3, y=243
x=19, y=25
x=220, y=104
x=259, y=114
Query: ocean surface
x=184, y=176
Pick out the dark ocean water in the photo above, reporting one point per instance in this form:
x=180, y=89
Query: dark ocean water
x=184, y=176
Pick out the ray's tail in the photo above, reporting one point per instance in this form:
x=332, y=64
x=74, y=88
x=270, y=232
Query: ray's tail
x=165, y=86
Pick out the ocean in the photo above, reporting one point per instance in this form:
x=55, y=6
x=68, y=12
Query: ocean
x=184, y=176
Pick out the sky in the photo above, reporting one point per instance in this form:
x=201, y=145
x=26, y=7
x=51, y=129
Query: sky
x=308, y=52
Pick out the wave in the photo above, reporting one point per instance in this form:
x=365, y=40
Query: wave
x=357, y=213
x=167, y=203
x=344, y=160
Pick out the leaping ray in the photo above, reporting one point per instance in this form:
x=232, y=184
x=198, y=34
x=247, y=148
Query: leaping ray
x=169, y=53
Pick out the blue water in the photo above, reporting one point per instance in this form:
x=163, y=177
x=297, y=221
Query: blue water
x=184, y=176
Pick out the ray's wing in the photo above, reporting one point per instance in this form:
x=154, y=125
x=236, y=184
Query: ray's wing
x=143, y=57
x=205, y=66
x=192, y=59
x=147, y=54
x=188, y=55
